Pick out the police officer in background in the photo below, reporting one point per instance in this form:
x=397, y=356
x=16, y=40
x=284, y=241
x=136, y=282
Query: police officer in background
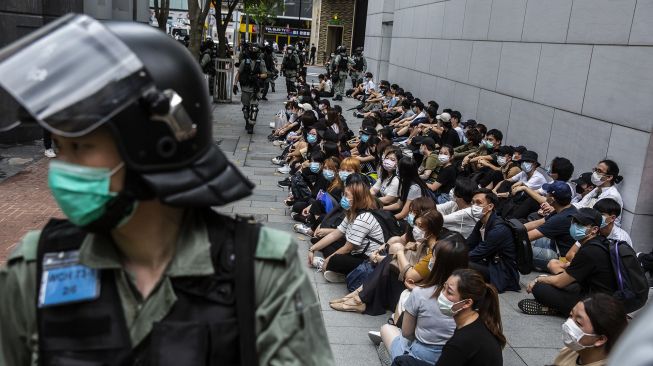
x=339, y=71
x=208, y=56
x=251, y=75
x=290, y=67
x=358, y=67
x=271, y=66
x=142, y=271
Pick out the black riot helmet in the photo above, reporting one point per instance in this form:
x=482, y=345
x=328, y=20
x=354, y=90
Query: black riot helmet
x=77, y=74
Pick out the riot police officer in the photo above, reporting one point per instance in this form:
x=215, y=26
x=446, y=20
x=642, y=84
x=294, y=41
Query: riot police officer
x=251, y=75
x=208, y=56
x=271, y=66
x=142, y=271
x=339, y=67
x=358, y=68
x=290, y=67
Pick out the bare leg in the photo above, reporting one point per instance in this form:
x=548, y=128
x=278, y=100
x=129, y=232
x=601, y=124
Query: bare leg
x=388, y=334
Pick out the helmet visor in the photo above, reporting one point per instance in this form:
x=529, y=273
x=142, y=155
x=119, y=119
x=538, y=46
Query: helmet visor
x=70, y=76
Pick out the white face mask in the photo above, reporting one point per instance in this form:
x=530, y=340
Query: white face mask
x=418, y=234
x=446, y=305
x=527, y=167
x=477, y=211
x=596, y=179
x=443, y=158
x=502, y=160
x=572, y=334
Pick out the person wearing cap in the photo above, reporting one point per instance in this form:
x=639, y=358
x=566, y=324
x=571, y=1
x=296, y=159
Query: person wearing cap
x=550, y=235
x=142, y=269
x=530, y=176
x=590, y=271
x=357, y=66
x=441, y=129
x=583, y=186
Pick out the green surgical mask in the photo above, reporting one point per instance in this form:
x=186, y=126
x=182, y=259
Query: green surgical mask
x=81, y=192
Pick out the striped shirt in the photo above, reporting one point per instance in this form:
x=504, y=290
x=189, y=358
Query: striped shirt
x=358, y=233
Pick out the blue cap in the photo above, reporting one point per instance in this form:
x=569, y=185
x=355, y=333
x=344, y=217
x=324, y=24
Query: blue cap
x=558, y=189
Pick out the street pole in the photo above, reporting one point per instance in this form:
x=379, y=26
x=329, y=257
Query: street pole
x=247, y=28
x=299, y=17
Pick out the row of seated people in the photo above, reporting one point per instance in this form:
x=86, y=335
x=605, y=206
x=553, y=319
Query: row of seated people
x=416, y=222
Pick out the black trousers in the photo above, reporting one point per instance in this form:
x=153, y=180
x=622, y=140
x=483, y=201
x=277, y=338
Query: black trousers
x=382, y=289
x=47, y=139
x=345, y=263
x=562, y=300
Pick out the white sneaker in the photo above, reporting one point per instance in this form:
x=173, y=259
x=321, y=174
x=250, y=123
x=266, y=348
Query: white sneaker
x=334, y=277
x=284, y=169
x=277, y=161
x=271, y=124
x=375, y=337
x=318, y=262
x=303, y=229
x=277, y=142
x=49, y=153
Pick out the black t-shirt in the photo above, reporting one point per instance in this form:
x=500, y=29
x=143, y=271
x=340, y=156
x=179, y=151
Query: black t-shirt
x=446, y=177
x=450, y=137
x=592, y=268
x=472, y=345
x=556, y=228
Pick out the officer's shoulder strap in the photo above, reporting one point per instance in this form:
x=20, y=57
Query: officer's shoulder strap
x=26, y=249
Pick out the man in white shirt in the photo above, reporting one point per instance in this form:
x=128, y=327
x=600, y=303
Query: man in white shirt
x=611, y=210
x=530, y=176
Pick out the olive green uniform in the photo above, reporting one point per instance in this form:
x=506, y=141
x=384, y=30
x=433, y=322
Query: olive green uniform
x=249, y=94
x=290, y=73
x=356, y=74
x=339, y=86
x=289, y=325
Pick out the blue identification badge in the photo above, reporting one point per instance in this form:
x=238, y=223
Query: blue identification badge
x=65, y=280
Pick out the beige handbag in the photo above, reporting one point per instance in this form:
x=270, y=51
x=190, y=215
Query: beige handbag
x=412, y=256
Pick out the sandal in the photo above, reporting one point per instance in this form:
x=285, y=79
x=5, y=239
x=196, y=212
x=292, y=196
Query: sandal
x=353, y=295
x=533, y=307
x=350, y=305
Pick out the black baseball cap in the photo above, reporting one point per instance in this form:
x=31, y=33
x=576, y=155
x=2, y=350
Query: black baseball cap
x=369, y=130
x=469, y=123
x=585, y=178
x=529, y=156
x=587, y=216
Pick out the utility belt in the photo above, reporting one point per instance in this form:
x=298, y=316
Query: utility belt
x=80, y=315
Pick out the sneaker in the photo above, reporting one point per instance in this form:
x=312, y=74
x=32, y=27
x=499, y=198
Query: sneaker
x=318, y=262
x=284, y=183
x=334, y=277
x=374, y=336
x=277, y=142
x=284, y=169
x=271, y=124
x=533, y=307
x=303, y=229
x=49, y=153
x=297, y=216
x=278, y=160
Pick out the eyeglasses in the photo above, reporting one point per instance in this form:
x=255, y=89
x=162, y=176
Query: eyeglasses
x=598, y=171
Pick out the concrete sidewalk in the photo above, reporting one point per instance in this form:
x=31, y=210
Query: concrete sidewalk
x=532, y=340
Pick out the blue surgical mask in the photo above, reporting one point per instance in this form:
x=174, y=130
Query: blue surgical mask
x=488, y=144
x=81, y=192
x=343, y=175
x=411, y=219
x=314, y=167
x=344, y=203
x=577, y=232
x=604, y=222
x=328, y=174
x=311, y=138
x=527, y=167
x=365, y=137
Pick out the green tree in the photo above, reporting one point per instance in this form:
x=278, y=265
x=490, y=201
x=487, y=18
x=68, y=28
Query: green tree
x=262, y=12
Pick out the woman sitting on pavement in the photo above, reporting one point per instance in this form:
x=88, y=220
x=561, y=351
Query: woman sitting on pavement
x=446, y=178
x=590, y=332
x=387, y=184
x=324, y=179
x=358, y=228
x=414, y=254
x=474, y=306
x=425, y=329
x=411, y=187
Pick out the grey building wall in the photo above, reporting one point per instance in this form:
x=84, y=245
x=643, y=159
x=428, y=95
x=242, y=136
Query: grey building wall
x=570, y=78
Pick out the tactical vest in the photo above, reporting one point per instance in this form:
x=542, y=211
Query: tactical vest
x=212, y=322
x=290, y=63
x=358, y=63
x=344, y=62
x=249, y=76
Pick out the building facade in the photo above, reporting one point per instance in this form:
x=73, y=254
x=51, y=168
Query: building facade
x=564, y=78
x=335, y=23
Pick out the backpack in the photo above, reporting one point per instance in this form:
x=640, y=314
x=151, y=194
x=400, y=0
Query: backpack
x=632, y=285
x=388, y=223
x=523, y=246
x=344, y=62
x=299, y=188
x=359, y=64
x=290, y=62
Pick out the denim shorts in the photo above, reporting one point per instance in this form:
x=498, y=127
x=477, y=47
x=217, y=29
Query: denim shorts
x=426, y=352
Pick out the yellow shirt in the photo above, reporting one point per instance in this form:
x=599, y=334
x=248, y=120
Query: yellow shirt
x=567, y=357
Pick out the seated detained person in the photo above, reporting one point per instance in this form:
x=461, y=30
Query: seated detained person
x=152, y=273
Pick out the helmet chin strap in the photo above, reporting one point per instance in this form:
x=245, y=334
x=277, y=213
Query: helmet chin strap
x=117, y=209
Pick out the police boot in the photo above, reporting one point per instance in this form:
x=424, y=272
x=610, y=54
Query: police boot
x=253, y=113
x=246, y=112
x=272, y=85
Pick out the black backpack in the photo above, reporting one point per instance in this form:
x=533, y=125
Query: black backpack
x=299, y=188
x=523, y=246
x=290, y=62
x=632, y=285
x=388, y=224
x=344, y=62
